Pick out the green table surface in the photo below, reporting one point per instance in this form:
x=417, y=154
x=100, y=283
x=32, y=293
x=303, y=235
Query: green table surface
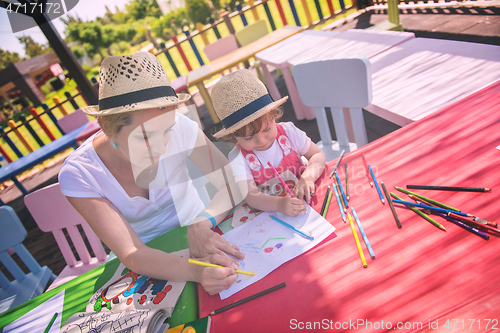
x=79, y=290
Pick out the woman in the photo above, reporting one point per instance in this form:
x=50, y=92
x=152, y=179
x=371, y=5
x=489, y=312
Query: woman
x=130, y=183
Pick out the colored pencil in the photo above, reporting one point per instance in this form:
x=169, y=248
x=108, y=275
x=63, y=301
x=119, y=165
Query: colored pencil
x=431, y=208
x=206, y=264
x=346, y=182
x=466, y=226
x=324, y=200
x=51, y=322
x=337, y=164
x=281, y=180
x=358, y=222
x=449, y=188
x=421, y=214
x=437, y=203
x=327, y=205
x=249, y=298
x=376, y=185
x=473, y=223
x=338, y=202
x=337, y=186
x=356, y=239
x=309, y=237
x=366, y=169
x=341, y=190
x=393, y=210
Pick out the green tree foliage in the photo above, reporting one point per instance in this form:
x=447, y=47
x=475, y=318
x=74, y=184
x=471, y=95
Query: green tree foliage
x=7, y=58
x=170, y=24
x=140, y=9
x=32, y=48
x=198, y=11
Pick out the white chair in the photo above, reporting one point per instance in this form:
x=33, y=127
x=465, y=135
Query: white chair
x=24, y=286
x=336, y=83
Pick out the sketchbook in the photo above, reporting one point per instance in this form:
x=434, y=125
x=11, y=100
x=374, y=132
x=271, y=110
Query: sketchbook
x=267, y=244
x=130, y=303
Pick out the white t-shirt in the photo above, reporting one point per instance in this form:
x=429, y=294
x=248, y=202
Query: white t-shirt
x=299, y=141
x=84, y=175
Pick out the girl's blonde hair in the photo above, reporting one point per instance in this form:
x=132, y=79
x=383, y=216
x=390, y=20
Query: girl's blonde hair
x=253, y=127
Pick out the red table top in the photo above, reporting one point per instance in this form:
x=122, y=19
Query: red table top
x=420, y=273
x=91, y=128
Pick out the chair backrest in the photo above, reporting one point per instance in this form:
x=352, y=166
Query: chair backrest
x=221, y=47
x=251, y=32
x=52, y=212
x=344, y=82
x=12, y=235
x=73, y=120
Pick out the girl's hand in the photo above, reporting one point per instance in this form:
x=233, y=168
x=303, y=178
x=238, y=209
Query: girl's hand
x=204, y=241
x=304, y=188
x=291, y=206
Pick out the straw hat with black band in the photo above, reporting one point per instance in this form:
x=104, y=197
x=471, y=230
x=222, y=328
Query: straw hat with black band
x=239, y=98
x=131, y=83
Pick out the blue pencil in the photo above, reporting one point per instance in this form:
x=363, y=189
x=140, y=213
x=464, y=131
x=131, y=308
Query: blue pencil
x=293, y=228
x=372, y=254
x=340, y=204
x=341, y=190
x=376, y=184
x=431, y=208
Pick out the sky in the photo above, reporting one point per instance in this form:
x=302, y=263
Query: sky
x=85, y=9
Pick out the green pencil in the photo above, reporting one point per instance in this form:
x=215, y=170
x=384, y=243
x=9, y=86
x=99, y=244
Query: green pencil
x=421, y=214
x=327, y=204
x=437, y=203
x=51, y=322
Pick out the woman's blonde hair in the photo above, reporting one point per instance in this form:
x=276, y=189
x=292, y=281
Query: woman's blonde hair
x=113, y=123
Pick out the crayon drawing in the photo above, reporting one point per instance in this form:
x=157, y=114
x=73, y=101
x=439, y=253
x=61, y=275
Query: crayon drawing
x=127, y=290
x=268, y=244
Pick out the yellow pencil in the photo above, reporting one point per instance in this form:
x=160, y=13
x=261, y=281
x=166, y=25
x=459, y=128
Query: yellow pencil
x=358, y=244
x=206, y=264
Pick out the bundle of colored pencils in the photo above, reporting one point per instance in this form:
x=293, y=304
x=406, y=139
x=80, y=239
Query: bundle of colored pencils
x=478, y=226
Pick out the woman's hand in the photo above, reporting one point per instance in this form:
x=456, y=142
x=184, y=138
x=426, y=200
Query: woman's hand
x=216, y=279
x=204, y=241
x=304, y=189
x=291, y=206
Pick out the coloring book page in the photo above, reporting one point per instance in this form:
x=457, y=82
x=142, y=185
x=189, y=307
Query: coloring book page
x=131, y=321
x=268, y=244
x=127, y=290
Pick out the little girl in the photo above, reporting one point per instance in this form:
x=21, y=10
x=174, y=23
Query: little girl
x=249, y=116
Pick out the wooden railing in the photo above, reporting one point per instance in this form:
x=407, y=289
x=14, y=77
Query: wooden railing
x=184, y=45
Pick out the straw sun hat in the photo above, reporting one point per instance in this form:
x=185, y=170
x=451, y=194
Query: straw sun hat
x=239, y=98
x=133, y=82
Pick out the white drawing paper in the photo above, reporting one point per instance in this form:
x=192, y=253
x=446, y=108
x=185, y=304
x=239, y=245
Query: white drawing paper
x=267, y=244
x=37, y=319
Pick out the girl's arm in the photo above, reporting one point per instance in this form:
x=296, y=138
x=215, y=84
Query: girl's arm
x=216, y=168
x=317, y=162
x=112, y=228
x=271, y=203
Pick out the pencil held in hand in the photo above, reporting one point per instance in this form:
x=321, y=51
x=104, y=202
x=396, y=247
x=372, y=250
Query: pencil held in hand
x=206, y=264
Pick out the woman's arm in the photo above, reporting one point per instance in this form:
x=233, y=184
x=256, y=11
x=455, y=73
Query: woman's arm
x=317, y=161
x=216, y=168
x=112, y=228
